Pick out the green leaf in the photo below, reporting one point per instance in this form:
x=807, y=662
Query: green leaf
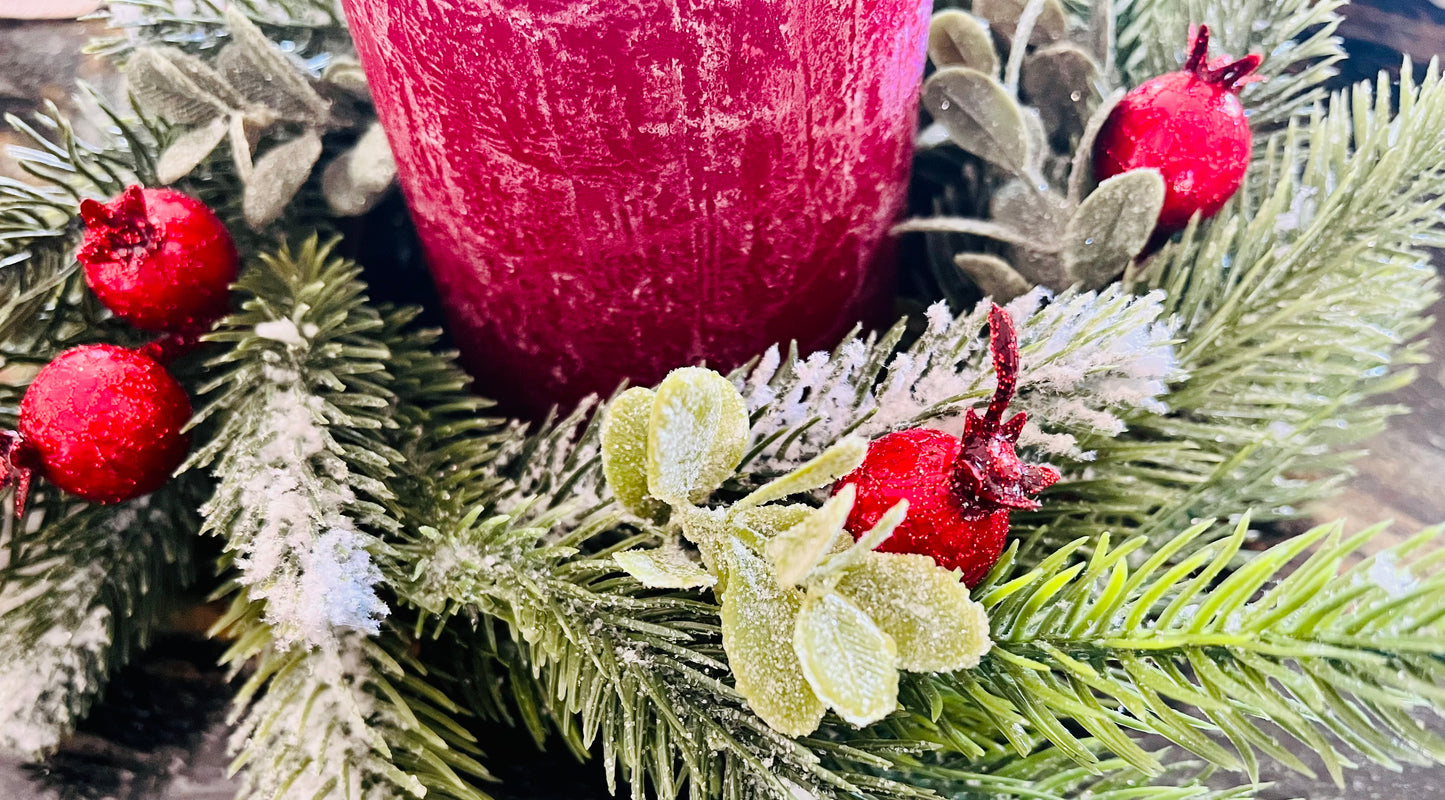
x=979, y=115
x=190, y=149
x=761, y=523
x=1060, y=82
x=624, y=451
x=957, y=39
x=850, y=663
x=262, y=74
x=798, y=549
x=277, y=176
x=356, y=180
x=1112, y=226
x=835, y=462
x=866, y=544
x=993, y=276
x=758, y=620
x=664, y=568
x=1003, y=16
x=698, y=435
x=166, y=89
x=924, y=607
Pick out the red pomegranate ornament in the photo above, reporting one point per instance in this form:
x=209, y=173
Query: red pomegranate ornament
x=1189, y=125
x=959, y=491
x=159, y=259
x=100, y=422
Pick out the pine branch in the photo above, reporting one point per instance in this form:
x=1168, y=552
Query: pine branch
x=355, y=719
x=316, y=28
x=304, y=411
x=1337, y=657
x=82, y=589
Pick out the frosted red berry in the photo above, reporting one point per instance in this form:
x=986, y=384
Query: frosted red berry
x=959, y=491
x=1189, y=125
x=104, y=423
x=159, y=259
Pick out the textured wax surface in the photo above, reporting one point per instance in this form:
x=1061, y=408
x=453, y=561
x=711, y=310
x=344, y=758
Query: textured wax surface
x=105, y=422
x=159, y=259
x=1191, y=130
x=608, y=189
x=918, y=465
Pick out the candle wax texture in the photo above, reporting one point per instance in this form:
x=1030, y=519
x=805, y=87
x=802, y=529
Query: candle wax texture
x=608, y=189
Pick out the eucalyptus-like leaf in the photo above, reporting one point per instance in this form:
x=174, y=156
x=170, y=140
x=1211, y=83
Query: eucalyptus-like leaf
x=664, y=568
x=624, y=451
x=838, y=563
x=1003, y=16
x=762, y=523
x=1059, y=81
x=345, y=73
x=993, y=276
x=356, y=180
x=1112, y=226
x=698, y=435
x=979, y=115
x=190, y=149
x=958, y=39
x=277, y=176
x=263, y=74
x=850, y=663
x=239, y=136
x=830, y=465
x=1081, y=171
x=1028, y=207
x=927, y=610
x=759, y=618
x=797, y=550
x=168, y=91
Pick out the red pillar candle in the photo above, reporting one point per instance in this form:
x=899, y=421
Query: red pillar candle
x=608, y=189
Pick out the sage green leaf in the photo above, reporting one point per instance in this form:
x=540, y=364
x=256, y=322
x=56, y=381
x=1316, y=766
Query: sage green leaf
x=261, y=73
x=1112, y=226
x=798, y=549
x=850, y=663
x=241, y=138
x=698, y=435
x=993, y=276
x=924, y=607
x=1081, y=171
x=1003, y=16
x=958, y=39
x=830, y=465
x=1059, y=81
x=855, y=554
x=277, y=176
x=345, y=73
x=979, y=115
x=761, y=523
x=758, y=622
x=354, y=182
x=190, y=149
x=624, y=451
x=168, y=90
x=664, y=568
x=1024, y=206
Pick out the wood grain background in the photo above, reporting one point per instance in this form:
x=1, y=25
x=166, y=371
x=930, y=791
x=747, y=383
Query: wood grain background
x=160, y=732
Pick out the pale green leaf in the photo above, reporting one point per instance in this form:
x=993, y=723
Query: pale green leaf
x=664, y=568
x=993, y=276
x=958, y=39
x=356, y=180
x=924, y=607
x=624, y=451
x=798, y=549
x=979, y=115
x=277, y=176
x=1060, y=82
x=1112, y=226
x=190, y=149
x=1004, y=15
x=866, y=544
x=850, y=663
x=169, y=91
x=835, y=462
x=262, y=74
x=758, y=620
x=765, y=522
x=698, y=435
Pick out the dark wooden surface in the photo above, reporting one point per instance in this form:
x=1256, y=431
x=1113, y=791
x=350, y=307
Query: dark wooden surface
x=160, y=733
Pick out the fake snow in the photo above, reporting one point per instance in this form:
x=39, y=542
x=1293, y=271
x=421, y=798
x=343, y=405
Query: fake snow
x=286, y=331
x=1394, y=579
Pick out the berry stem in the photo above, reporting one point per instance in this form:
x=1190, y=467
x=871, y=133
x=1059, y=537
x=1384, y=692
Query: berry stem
x=17, y=463
x=1004, y=342
x=123, y=220
x=1229, y=74
x=1198, y=50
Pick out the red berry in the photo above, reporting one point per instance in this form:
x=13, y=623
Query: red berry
x=159, y=259
x=959, y=491
x=104, y=423
x=1191, y=127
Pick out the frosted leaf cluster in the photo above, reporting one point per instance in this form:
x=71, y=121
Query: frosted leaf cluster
x=1088, y=359
x=300, y=550
x=317, y=727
